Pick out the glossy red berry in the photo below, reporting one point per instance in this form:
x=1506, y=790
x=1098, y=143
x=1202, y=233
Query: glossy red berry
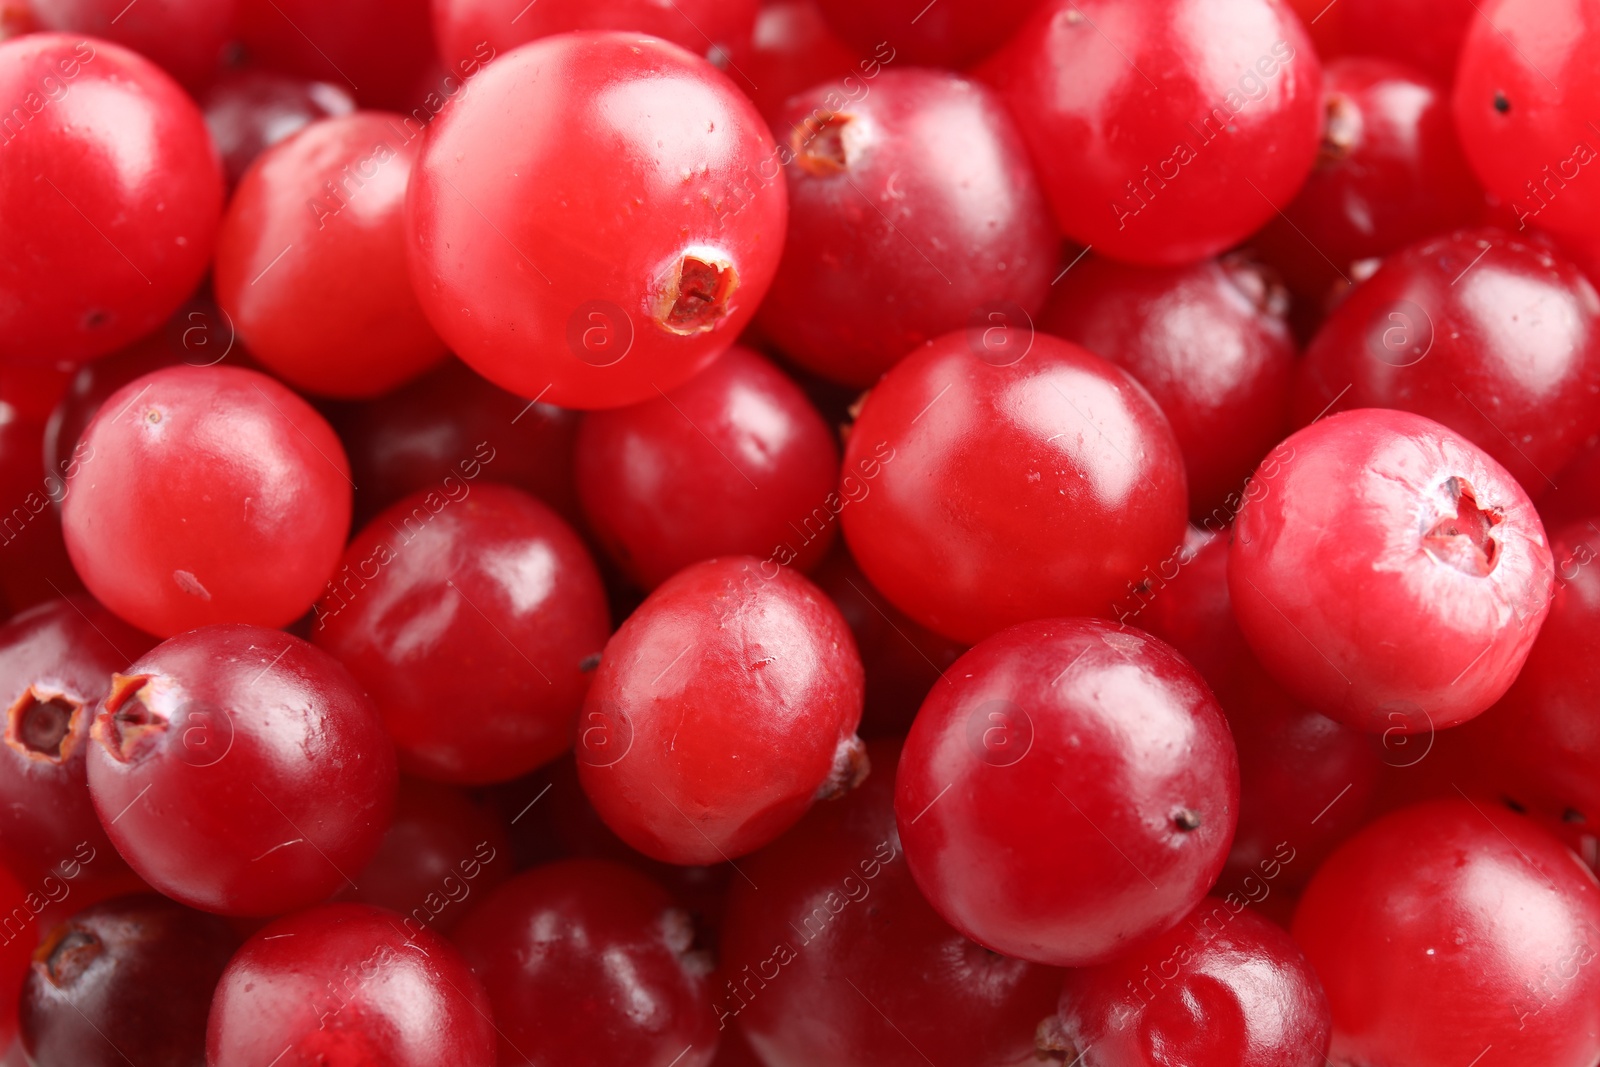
x=248, y=111
x=1425, y=34
x=590, y=963
x=473, y=619
x=311, y=263
x=112, y=191
x=1496, y=337
x=721, y=709
x=833, y=897
x=735, y=461
x=1388, y=572
x=913, y=211
x=126, y=981
x=1527, y=90
x=465, y=28
x=1102, y=742
x=596, y=220
x=1226, y=988
x=343, y=985
x=214, y=495
x=1453, y=930
x=242, y=771
x=1164, y=131
x=378, y=49
x=1074, y=484
x=955, y=33
x=791, y=49
x=183, y=37
x=1210, y=342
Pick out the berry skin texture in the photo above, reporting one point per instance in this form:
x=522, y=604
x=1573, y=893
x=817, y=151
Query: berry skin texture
x=464, y=27
x=596, y=220
x=721, y=709
x=1002, y=493
x=155, y=524
x=589, y=964
x=1211, y=343
x=1454, y=929
x=249, y=111
x=1226, y=988
x=347, y=985
x=128, y=980
x=334, y=314
x=469, y=619
x=1526, y=89
x=110, y=151
x=240, y=770
x=1178, y=140
x=1388, y=572
x=835, y=899
x=1071, y=795
x=1495, y=337
x=913, y=211
x=655, y=483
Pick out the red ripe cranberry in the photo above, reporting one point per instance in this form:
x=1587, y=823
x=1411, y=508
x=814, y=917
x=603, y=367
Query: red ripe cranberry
x=1526, y=91
x=1210, y=341
x=953, y=33
x=467, y=28
x=913, y=211
x=833, y=897
x=183, y=37
x=791, y=49
x=242, y=771
x=1102, y=742
x=450, y=427
x=1452, y=930
x=1493, y=336
x=721, y=709
x=1165, y=130
x=589, y=962
x=34, y=390
x=470, y=619
x=56, y=662
x=596, y=220
x=342, y=985
x=1388, y=572
x=655, y=481
x=1390, y=172
x=214, y=495
x=249, y=111
x=112, y=191
x=311, y=262
x=1576, y=494
x=126, y=981
x=1227, y=988
x=442, y=850
x=1426, y=34
x=1004, y=489
x=376, y=48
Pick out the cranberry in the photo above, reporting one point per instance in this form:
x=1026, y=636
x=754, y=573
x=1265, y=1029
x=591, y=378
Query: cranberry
x=1165, y=130
x=184, y=37
x=18, y=935
x=471, y=618
x=449, y=427
x=1526, y=91
x=56, y=662
x=954, y=33
x=589, y=962
x=1001, y=489
x=792, y=48
x=833, y=897
x=593, y=259
x=311, y=259
x=249, y=111
x=378, y=48
x=1210, y=341
x=33, y=557
x=214, y=495
x=913, y=210
x=240, y=770
x=1426, y=34
x=126, y=981
x=651, y=475
x=466, y=28
x=1576, y=493
x=112, y=194
x=1104, y=743
x=1493, y=336
x=1227, y=988
x=721, y=709
x=1388, y=572
x=1452, y=930
x=1390, y=172
x=342, y=985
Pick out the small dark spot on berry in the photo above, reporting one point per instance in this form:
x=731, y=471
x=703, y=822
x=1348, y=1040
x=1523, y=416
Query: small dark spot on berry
x=589, y=662
x=1501, y=104
x=1514, y=805
x=95, y=319
x=1573, y=815
x=1186, y=819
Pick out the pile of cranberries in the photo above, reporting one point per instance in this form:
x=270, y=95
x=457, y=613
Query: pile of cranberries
x=799, y=533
